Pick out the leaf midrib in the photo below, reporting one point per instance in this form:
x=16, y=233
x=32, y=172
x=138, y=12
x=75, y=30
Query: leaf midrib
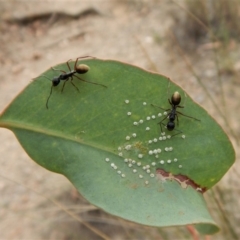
x=11, y=125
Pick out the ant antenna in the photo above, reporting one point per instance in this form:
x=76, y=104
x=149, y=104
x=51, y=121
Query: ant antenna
x=46, y=77
x=168, y=88
x=49, y=96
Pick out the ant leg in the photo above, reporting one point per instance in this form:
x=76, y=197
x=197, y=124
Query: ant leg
x=177, y=119
x=74, y=85
x=68, y=64
x=161, y=122
x=45, y=77
x=170, y=103
x=188, y=116
x=160, y=107
x=179, y=131
x=90, y=82
x=71, y=83
x=185, y=98
x=63, y=85
x=178, y=106
x=75, y=65
x=168, y=88
x=55, y=69
x=49, y=97
x=85, y=57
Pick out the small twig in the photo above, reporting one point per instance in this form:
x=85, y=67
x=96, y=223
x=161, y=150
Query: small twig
x=193, y=232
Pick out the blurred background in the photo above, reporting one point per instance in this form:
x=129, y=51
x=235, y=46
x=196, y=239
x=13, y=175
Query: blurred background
x=194, y=42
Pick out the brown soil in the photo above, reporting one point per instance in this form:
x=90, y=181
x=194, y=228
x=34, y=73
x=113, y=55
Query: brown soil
x=37, y=35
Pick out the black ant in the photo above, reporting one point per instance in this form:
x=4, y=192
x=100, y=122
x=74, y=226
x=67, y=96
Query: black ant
x=173, y=113
x=65, y=76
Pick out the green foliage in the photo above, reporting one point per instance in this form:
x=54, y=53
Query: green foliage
x=81, y=130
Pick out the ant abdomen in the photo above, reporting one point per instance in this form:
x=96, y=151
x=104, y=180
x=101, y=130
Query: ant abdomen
x=82, y=68
x=176, y=98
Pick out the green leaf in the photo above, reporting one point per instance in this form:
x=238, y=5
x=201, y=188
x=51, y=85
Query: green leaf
x=105, y=141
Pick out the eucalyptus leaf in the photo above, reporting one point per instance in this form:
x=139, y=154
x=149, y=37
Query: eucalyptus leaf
x=108, y=142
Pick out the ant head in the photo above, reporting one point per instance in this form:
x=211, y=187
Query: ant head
x=55, y=81
x=82, y=68
x=170, y=126
x=176, y=98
